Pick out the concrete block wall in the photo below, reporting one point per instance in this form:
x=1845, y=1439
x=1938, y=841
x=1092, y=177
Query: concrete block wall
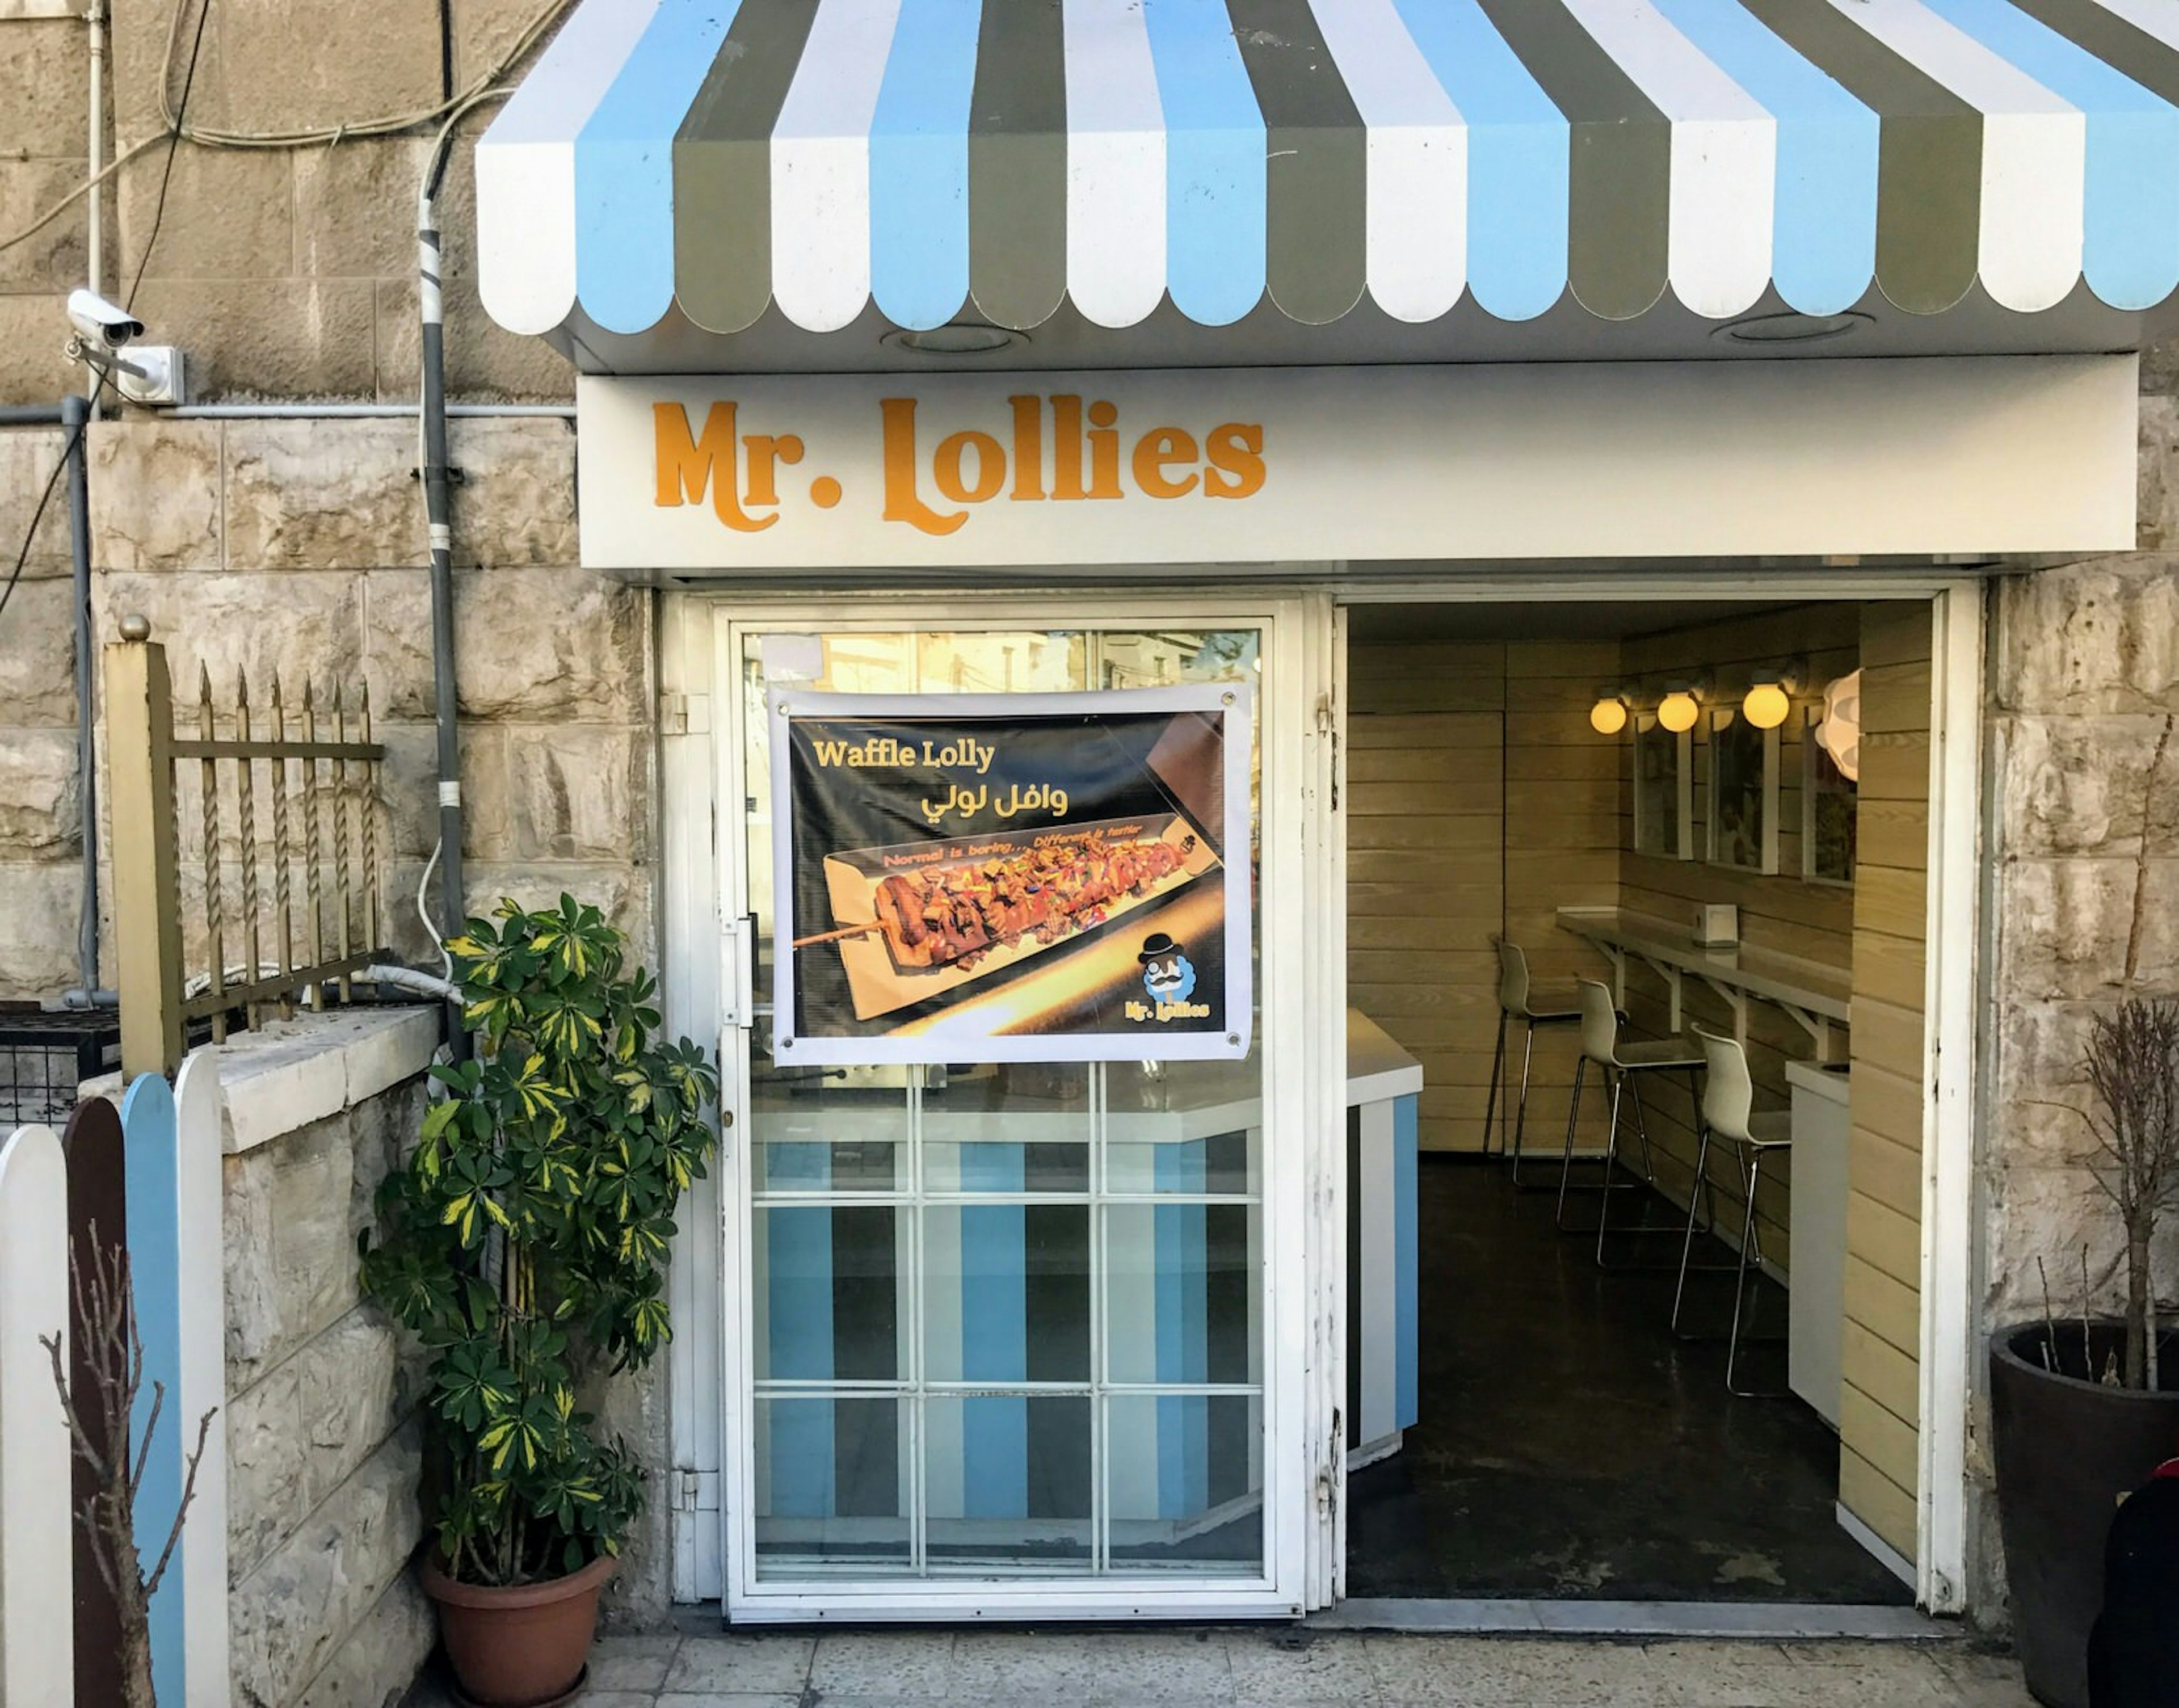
x=2083, y=688
x=284, y=272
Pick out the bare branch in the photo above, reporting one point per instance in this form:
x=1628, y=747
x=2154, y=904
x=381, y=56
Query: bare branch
x=182, y=1510
x=144, y=1446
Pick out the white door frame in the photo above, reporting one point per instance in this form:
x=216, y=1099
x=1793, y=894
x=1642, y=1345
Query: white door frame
x=704, y=856
x=691, y=774
x=1949, y=1337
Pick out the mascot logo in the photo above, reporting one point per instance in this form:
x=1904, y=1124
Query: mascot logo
x=1168, y=975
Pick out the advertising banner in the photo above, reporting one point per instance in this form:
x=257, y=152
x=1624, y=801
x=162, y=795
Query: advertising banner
x=1011, y=877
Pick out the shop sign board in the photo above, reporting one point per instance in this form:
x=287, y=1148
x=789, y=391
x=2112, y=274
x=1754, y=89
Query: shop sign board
x=1251, y=467
x=1012, y=877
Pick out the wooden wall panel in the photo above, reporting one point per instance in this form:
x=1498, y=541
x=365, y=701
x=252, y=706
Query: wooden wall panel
x=1879, y=1455
x=1425, y=797
x=1782, y=912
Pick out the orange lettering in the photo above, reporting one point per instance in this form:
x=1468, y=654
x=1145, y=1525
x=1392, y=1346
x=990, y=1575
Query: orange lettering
x=687, y=464
x=901, y=502
x=991, y=467
x=1028, y=447
x=1066, y=447
x=1158, y=450
x=1236, y=451
x=1104, y=450
x=765, y=454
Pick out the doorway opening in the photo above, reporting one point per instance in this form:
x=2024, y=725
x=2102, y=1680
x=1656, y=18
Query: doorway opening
x=1717, y=814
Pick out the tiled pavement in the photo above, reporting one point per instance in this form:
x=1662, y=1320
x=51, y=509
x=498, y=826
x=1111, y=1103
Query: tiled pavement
x=1260, y=1668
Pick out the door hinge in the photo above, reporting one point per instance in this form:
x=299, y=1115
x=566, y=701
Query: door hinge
x=686, y=1483
x=1327, y=726
x=685, y=714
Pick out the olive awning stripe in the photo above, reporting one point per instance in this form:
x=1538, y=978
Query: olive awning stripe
x=728, y=164
x=1018, y=164
x=722, y=167
x=1928, y=198
x=1620, y=192
x=1316, y=187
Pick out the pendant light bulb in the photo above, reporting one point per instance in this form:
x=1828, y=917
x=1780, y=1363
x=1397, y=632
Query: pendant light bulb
x=1677, y=711
x=1608, y=716
x=1766, y=705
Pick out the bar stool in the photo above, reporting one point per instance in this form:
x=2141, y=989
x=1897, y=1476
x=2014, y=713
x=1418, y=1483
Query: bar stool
x=1517, y=1002
x=1728, y=1111
x=1621, y=1065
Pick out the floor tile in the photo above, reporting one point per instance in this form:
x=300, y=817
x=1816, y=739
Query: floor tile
x=1331, y=1668
x=890, y=1664
x=631, y=1663
x=1091, y=1666
x=741, y=1665
x=715, y=1699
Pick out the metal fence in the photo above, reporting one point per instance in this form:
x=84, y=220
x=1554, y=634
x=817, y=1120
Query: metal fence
x=45, y=1056
x=246, y=854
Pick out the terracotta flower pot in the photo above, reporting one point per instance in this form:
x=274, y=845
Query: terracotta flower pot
x=519, y=1647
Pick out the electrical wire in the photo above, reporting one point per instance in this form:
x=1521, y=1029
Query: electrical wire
x=173, y=143
x=75, y=444
x=53, y=483
x=387, y=125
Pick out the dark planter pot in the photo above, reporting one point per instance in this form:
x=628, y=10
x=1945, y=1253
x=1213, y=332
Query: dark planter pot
x=2067, y=1451
x=522, y=1647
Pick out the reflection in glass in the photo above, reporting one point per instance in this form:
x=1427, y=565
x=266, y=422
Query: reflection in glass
x=1015, y=1126
x=832, y=1485
x=1181, y=1292
x=1185, y=1481
x=828, y=1293
x=1007, y=1481
x=1005, y=1292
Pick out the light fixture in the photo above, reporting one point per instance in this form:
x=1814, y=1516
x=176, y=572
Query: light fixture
x=1771, y=697
x=1608, y=716
x=957, y=338
x=1679, y=709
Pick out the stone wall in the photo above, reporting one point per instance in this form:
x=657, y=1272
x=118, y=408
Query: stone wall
x=283, y=272
x=40, y=837
x=321, y=1423
x=2084, y=688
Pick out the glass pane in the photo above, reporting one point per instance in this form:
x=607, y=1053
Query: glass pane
x=829, y=1300
x=1186, y=1481
x=1021, y=1127
x=1184, y=1127
x=818, y=1129
x=1007, y=1482
x=832, y=1482
x=1005, y=1292
x=951, y=1315
x=1181, y=1293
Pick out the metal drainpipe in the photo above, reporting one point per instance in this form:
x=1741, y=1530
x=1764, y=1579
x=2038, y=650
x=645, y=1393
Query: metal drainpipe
x=75, y=417
x=438, y=510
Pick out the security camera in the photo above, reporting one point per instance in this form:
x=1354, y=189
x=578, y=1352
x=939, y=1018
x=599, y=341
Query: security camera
x=104, y=324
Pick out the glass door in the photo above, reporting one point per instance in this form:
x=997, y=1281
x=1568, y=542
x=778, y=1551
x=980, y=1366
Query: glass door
x=1006, y=1330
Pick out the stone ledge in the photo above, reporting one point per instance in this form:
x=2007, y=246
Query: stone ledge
x=290, y=1073
x=295, y=1072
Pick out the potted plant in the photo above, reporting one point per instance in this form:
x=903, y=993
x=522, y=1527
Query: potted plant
x=2083, y=1411
x=525, y=1242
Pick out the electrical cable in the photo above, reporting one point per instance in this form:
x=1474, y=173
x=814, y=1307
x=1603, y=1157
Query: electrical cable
x=389, y=125
x=75, y=445
x=46, y=497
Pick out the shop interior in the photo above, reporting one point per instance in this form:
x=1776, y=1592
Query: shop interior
x=1719, y=812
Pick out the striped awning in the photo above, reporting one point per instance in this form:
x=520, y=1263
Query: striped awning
x=1001, y=159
